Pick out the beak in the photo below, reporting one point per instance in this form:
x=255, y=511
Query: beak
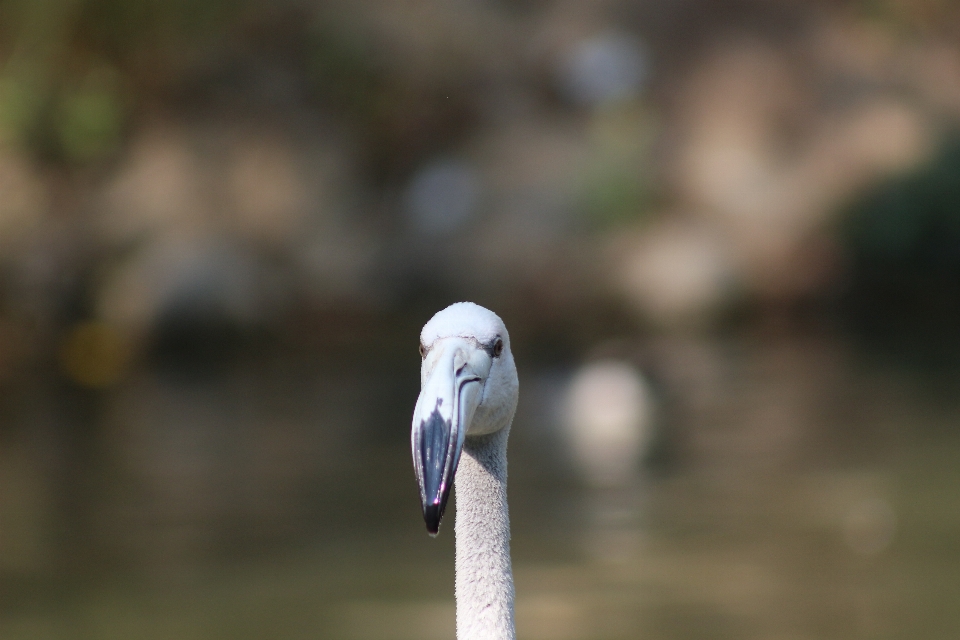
x=453, y=375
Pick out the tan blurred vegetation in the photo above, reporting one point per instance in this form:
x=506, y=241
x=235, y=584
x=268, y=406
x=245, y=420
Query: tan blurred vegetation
x=255, y=161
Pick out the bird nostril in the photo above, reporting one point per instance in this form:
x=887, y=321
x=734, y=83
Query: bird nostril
x=459, y=362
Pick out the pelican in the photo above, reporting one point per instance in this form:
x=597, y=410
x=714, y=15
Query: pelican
x=468, y=396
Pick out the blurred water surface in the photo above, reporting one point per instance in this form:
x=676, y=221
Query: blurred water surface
x=793, y=491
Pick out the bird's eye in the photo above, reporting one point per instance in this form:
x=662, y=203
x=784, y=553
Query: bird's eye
x=423, y=351
x=497, y=348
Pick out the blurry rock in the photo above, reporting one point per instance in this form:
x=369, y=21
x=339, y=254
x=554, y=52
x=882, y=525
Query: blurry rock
x=266, y=189
x=772, y=194
x=732, y=110
x=603, y=69
x=442, y=196
x=733, y=162
x=609, y=412
x=675, y=274
x=935, y=69
x=159, y=187
x=885, y=136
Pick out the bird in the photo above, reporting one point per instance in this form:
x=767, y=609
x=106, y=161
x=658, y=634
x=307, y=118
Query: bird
x=468, y=397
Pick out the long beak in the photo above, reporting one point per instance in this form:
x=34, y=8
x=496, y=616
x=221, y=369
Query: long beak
x=453, y=375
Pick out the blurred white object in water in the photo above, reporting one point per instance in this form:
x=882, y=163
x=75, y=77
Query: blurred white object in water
x=609, y=414
x=442, y=196
x=605, y=68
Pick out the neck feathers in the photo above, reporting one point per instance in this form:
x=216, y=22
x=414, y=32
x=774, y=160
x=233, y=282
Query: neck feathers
x=484, y=576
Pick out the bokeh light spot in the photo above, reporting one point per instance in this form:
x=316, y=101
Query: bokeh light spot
x=442, y=197
x=95, y=354
x=605, y=69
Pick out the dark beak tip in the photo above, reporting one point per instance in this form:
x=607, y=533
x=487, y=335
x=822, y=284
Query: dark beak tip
x=431, y=516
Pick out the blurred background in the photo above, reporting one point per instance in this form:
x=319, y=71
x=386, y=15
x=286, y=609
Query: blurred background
x=724, y=235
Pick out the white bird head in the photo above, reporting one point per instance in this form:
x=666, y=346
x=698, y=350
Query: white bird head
x=468, y=387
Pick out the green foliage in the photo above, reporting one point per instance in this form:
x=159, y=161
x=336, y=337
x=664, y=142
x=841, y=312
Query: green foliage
x=613, y=197
x=903, y=243
x=64, y=85
x=616, y=187
x=89, y=118
x=21, y=102
x=913, y=221
x=340, y=64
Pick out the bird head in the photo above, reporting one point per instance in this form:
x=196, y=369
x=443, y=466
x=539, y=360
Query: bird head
x=468, y=387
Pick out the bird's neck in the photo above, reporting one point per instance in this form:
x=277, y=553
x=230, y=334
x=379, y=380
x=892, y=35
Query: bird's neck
x=484, y=577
